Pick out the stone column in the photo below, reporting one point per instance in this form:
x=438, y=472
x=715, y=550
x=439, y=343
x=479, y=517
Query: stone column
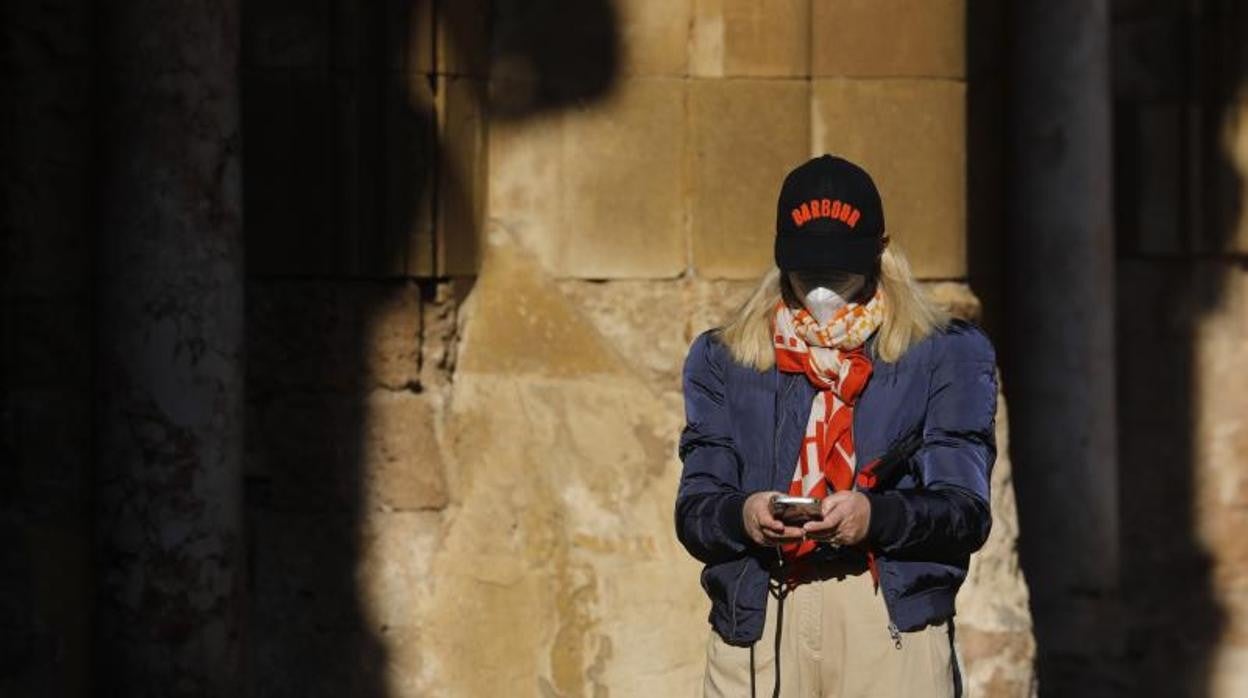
x=1060, y=369
x=169, y=287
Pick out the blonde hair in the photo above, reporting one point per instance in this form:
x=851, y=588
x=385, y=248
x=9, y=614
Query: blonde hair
x=910, y=315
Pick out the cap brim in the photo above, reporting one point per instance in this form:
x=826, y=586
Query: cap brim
x=812, y=251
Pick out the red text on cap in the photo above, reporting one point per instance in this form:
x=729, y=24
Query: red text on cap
x=826, y=208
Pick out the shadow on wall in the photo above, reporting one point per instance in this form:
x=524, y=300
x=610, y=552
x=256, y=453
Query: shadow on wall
x=1177, y=70
x=346, y=170
x=1180, y=69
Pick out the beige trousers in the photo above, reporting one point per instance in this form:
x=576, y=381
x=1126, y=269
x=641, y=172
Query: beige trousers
x=835, y=643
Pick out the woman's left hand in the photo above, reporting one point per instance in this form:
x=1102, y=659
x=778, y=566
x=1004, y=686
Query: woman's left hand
x=846, y=516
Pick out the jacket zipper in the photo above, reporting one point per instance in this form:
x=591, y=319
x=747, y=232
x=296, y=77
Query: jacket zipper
x=775, y=441
x=775, y=460
x=893, y=632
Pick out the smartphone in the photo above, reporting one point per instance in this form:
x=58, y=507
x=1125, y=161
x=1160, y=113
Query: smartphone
x=796, y=510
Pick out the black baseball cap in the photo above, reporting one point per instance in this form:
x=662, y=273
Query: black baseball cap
x=829, y=217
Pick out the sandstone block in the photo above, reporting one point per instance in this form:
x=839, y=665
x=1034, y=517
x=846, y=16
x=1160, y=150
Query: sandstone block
x=396, y=565
x=888, y=38
x=563, y=587
x=910, y=135
x=654, y=36
x=519, y=323
x=391, y=319
x=598, y=191
x=332, y=336
x=770, y=38
x=746, y=135
x=401, y=460
x=642, y=320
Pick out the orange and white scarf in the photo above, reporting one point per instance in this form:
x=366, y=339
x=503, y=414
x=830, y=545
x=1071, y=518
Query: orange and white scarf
x=833, y=359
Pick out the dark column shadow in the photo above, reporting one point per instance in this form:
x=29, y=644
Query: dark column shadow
x=344, y=174
x=1178, y=68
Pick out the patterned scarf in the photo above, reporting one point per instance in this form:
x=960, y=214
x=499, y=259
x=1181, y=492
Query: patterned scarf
x=834, y=361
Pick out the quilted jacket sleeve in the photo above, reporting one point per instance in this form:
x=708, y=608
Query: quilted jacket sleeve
x=709, y=501
x=948, y=515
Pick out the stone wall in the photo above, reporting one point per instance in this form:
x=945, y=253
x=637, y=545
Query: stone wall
x=479, y=239
x=463, y=460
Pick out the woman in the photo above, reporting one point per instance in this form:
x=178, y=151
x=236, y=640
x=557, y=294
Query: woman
x=838, y=380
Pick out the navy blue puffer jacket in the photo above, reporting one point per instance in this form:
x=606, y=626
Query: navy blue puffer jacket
x=743, y=430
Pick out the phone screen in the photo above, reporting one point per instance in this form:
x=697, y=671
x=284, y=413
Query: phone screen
x=796, y=510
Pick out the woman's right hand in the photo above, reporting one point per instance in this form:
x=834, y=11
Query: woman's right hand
x=763, y=528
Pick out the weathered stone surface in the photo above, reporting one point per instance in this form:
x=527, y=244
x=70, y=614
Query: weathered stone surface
x=650, y=324
x=641, y=321
x=770, y=38
x=888, y=38
x=994, y=631
x=518, y=323
x=167, y=437
x=597, y=191
x=909, y=134
x=401, y=463
x=654, y=36
x=956, y=298
x=395, y=570
x=558, y=538
x=746, y=135
x=439, y=334
x=333, y=336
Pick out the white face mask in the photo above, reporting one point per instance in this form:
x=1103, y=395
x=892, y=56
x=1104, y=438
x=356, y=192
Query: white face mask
x=823, y=294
